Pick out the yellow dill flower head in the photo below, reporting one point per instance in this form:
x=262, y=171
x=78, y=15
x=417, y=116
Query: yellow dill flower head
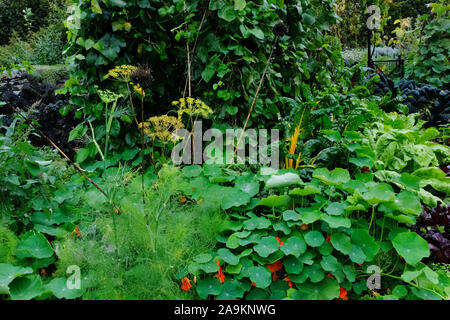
x=137, y=88
x=162, y=127
x=121, y=73
x=192, y=107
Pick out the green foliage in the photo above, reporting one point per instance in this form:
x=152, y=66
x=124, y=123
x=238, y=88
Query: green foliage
x=398, y=150
x=43, y=47
x=319, y=244
x=431, y=63
x=142, y=252
x=233, y=45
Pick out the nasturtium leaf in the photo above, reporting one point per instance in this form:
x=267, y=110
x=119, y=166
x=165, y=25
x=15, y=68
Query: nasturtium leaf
x=406, y=202
x=314, y=239
x=233, y=197
x=261, y=276
x=307, y=258
x=409, y=276
x=341, y=242
x=34, y=245
x=311, y=216
x=315, y=273
x=294, y=246
x=266, y=246
x=254, y=238
x=26, y=288
x=325, y=249
x=231, y=290
x=257, y=294
x=357, y=255
x=245, y=253
x=247, y=184
x=290, y=215
x=349, y=272
x=209, y=286
x=233, y=269
x=411, y=247
x=257, y=223
x=309, y=189
x=366, y=242
x=228, y=256
x=337, y=222
x=329, y=289
x=274, y=257
x=275, y=201
x=299, y=278
x=336, y=177
x=381, y=192
x=329, y=263
x=293, y=265
x=425, y=294
x=431, y=275
x=192, y=171
x=60, y=289
x=209, y=267
x=283, y=227
x=242, y=234
x=232, y=242
x=400, y=291
x=203, y=258
x=9, y=272
x=284, y=180
x=336, y=208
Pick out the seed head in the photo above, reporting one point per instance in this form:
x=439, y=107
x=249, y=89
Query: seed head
x=142, y=76
x=280, y=29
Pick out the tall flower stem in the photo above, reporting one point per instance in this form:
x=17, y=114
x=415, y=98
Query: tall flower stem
x=142, y=150
x=256, y=94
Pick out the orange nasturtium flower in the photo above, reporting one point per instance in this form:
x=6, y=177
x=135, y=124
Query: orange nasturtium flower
x=288, y=280
x=77, y=231
x=220, y=274
x=279, y=242
x=328, y=239
x=343, y=294
x=185, y=284
x=276, y=266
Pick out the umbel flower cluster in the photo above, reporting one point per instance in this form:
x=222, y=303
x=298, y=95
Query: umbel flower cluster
x=192, y=107
x=161, y=127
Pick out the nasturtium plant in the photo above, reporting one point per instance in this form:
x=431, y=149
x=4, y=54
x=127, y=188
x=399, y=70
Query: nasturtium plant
x=319, y=246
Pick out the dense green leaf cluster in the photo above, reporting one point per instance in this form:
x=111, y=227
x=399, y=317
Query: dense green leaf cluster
x=232, y=40
x=431, y=63
x=314, y=240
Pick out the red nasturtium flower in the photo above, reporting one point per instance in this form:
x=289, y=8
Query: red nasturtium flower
x=254, y=284
x=185, y=284
x=365, y=169
x=343, y=294
x=279, y=242
x=220, y=274
x=328, y=239
x=276, y=266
